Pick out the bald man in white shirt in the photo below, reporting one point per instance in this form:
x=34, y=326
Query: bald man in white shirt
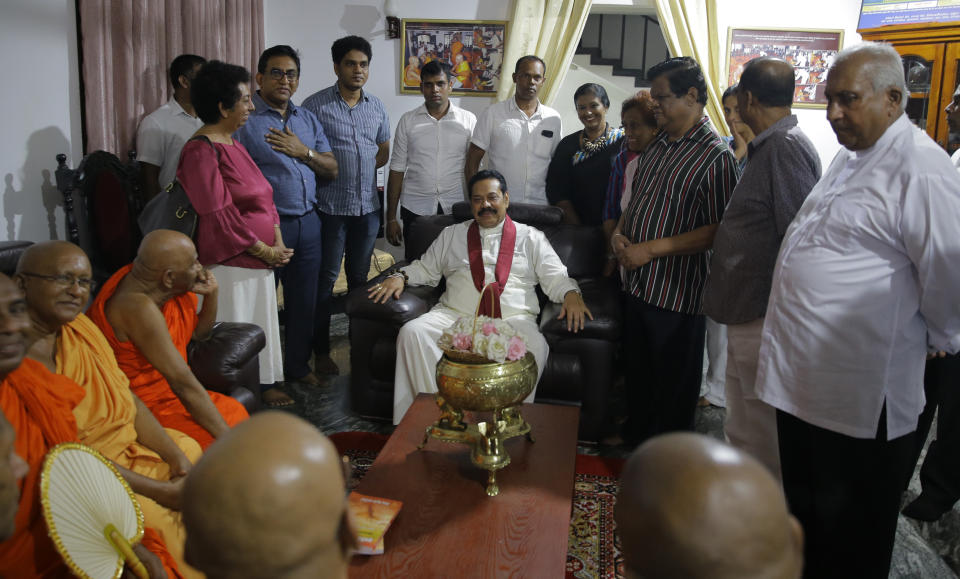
x=864, y=288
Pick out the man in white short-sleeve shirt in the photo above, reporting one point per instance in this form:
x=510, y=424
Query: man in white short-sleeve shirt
x=163, y=132
x=429, y=153
x=519, y=136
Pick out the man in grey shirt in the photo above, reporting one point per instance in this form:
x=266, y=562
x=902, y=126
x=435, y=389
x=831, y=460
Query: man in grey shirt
x=783, y=167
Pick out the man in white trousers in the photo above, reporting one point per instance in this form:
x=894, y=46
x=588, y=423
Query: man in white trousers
x=469, y=256
x=784, y=166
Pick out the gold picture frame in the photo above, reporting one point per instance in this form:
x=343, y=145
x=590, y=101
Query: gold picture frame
x=473, y=49
x=809, y=50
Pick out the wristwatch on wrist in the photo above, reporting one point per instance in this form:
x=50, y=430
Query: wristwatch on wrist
x=309, y=154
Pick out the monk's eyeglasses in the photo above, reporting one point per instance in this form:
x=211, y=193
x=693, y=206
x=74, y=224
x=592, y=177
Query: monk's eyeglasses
x=64, y=280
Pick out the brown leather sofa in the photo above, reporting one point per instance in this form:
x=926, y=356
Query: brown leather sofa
x=226, y=362
x=580, y=367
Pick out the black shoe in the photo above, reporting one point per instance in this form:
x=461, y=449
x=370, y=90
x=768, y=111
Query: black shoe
x=923, y=508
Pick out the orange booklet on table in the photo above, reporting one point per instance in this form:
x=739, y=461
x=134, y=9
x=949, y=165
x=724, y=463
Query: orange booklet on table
x=371, y=518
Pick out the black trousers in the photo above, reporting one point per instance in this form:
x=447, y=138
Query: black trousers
x=940, y=473
x=663, y=353
x=846, y=493
x=408, y=217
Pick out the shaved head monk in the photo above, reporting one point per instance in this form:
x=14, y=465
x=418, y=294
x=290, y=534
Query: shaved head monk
x=13, y=342
x=690, y=506
x=268, y=501
x=36, y=415
x=148, y=313
x=56, y=279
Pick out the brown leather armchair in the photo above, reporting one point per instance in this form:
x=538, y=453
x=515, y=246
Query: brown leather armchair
x=227, y=362
x=580, y=367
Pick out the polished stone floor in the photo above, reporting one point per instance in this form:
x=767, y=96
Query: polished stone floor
x=922, y=551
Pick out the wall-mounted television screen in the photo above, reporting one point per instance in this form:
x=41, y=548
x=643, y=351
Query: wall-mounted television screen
x=877, y=13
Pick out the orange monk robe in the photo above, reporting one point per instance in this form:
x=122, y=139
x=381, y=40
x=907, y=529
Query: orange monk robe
x=411, y=75
x=105, y=421
x=146, y=381
x=462, y=72
x=39, y=405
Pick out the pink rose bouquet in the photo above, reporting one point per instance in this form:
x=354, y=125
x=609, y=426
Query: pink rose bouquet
x=490, y=338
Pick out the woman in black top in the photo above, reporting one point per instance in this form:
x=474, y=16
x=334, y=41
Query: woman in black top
x=578, y=174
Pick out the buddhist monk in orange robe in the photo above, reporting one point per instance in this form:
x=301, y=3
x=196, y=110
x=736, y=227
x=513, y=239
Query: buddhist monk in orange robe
x=148, y=313
x=37, y=415
x=56, y=279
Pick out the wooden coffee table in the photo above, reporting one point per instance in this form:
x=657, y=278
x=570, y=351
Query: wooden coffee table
x=449, y=527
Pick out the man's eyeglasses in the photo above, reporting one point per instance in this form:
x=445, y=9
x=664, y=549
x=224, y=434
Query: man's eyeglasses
x=660, y=98
x=277, y=74
x=64, y=280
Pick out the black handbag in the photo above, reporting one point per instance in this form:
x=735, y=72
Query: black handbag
x=171, y=208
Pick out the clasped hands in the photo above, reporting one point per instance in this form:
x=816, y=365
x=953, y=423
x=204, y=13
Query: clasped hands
x=179, y=468
x=630, y=255
x=276, y=255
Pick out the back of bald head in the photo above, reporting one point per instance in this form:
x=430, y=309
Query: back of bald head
x=266, y=500
x=40, y=257
x=770, y=80
x=690, y=506
x=163, y=249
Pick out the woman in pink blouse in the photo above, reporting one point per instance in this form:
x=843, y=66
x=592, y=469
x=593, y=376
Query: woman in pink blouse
x=238, y=232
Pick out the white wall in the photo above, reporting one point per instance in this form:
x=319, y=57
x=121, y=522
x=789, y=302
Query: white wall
x=311, y=27
x=41, y=104
x=619, y=89
x=824, y=14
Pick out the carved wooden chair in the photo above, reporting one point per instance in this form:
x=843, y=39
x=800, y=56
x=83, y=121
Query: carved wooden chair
x=108, y=205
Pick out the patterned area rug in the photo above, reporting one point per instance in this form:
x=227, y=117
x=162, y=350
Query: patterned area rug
x=593, y=549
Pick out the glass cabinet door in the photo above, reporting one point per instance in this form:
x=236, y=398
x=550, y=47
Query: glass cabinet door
x=922, y=70
x=951, y=76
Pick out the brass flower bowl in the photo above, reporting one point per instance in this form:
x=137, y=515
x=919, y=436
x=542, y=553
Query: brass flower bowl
x=486, y=387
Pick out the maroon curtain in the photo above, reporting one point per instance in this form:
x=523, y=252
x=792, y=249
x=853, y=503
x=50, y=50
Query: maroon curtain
x=128, y=44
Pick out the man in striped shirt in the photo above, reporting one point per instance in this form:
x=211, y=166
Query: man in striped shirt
x=358, y=129
x=681, y=187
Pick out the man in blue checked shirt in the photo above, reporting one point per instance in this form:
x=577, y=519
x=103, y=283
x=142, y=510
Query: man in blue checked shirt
x=288, y=144
x=359, y=132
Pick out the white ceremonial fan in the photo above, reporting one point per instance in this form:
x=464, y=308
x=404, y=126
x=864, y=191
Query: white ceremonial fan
x=91, y=513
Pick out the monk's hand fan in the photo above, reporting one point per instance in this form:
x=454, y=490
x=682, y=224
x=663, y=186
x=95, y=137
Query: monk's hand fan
x=91, y=512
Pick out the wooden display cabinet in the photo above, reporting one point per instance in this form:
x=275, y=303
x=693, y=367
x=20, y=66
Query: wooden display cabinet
x=931, y=66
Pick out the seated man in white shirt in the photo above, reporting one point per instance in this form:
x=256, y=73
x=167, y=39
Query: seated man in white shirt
x=865, y=286
x=163, y=132
x=429, y=153
x=469, y=256
x=519, y=135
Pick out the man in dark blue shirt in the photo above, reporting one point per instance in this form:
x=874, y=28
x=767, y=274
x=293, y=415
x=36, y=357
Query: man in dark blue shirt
x=288, y=144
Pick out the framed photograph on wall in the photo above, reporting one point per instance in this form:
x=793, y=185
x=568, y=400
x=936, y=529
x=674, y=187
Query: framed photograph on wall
x=811, y=52
x=473, y=49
